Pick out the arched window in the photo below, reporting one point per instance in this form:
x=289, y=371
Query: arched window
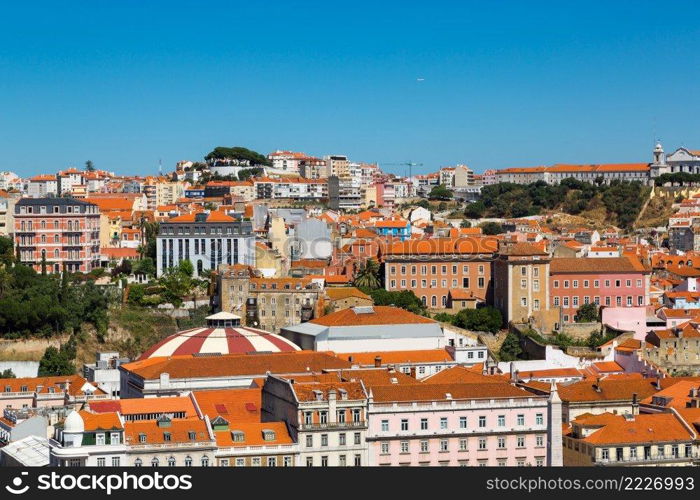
x=43, y=238
x=205, y=461
x=29, y=224
x=56, y=239
x=55, y=224
x=70, y=225
x=424, y=300
x=444, y=300
x=154, y=462
x=433, y=301
x=171, y=462
x=138, y=462
x=43, y=224
x=43, y=253
x=55, y=253
x=188, y=461
x=200, y=267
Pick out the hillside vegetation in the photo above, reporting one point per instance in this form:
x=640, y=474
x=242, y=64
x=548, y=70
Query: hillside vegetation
x=617, y=204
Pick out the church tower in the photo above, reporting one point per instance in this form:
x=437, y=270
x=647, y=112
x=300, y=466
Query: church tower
x=658, y=166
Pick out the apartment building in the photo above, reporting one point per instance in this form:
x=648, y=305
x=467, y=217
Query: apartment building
x=328, y=420
x=459, y=424
x=58, y=232
x=433, y=267
x=206, y=239
x=604, y=281
x=41, y=186
x=631, y=439
x=267, y=303
x=521, y=287
x=86, y=439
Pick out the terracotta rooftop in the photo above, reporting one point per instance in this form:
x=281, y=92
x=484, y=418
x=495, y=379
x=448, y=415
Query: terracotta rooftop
x=379, y=315
x=627, y=264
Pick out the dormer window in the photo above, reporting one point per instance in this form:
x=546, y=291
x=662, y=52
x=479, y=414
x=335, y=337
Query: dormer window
x=167, y=436
x=238, y=436
x=8, y=388
x=142, y=438
x=192, y=435
x=24, y=388
x=268, y=435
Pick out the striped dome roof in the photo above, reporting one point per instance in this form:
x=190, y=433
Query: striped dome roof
x=220, y=340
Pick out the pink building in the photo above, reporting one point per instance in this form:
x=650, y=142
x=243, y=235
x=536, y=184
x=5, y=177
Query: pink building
x=608, y=282
x=37, y=392
x=460, y=424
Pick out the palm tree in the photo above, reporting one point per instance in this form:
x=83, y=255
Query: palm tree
x=368, y=275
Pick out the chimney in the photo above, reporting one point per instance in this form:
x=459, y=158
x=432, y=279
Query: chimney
x=377, y=361
x=657, y=384
x=413, y=371
x=596, y=386
x=350, y=358
x=635, y=404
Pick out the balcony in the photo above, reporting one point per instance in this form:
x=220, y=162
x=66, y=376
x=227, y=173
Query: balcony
x=649, y=459
x=332, y=425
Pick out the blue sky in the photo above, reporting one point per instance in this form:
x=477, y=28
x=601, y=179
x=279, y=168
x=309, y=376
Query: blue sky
x=127, y=83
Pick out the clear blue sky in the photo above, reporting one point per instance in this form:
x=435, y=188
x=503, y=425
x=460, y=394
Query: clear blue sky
x=506, y=83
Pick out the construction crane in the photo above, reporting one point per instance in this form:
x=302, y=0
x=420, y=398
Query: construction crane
x=408, y=164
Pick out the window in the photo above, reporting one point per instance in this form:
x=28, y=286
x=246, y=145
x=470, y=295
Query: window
x=324, y=439
x=555, y=284
x=358, y=460
x=462, y=422
x=444, y=445
x=99, y=439
x=482, y=443
x=188, y=461
x=501, y=443
x=309, y=441
x=523, y=301
x=205, y=461
x=385, y=425
x=501, y=421
x=482, y=421
x=309, y=461
x=424, y=447
x=404, y=446
x=101, y=462
x=114, y=438
x=116, y=462
x=323, y=417
x=404, y=424
x=357, y=438
x=423, y=424
x=171, y=462
x=138, y=462
x=462, y=445
x=520, y=442
x=342, y=461
x=385, y=448
x=539, y=440
x=272, y=461
x=443, y=422
x=154, y=462
x=539, y=419
x=521, y=419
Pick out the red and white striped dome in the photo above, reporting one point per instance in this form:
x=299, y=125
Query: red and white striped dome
x=223, y=335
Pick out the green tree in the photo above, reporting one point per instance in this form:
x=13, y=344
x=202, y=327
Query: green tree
x=465, y=224
x=587, y=313
x=368, y=275
x=510, y=349
x=237, y=153
x=185, y=267
x=440, y=192
x=7, y=373
x=475, y=210
x=89, y=166
x=483, y=319
x=56, y=362
x=7, y=255
x=404, y=299
x=491, y=228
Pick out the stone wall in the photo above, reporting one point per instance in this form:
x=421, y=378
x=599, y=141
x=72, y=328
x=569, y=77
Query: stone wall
x=580, y=331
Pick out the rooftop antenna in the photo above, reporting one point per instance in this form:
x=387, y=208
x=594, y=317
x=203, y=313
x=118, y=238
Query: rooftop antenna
x=160, y=166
